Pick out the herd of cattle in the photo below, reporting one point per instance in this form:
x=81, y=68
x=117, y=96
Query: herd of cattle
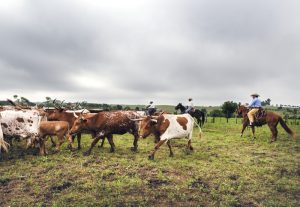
x=36, y=125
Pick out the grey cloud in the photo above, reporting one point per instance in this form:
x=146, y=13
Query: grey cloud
x=163, y=50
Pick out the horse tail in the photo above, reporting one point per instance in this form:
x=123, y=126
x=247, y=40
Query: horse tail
x=200, y=130
x=286, y=128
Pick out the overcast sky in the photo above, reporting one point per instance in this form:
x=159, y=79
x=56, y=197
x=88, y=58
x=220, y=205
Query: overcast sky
x=134, y=51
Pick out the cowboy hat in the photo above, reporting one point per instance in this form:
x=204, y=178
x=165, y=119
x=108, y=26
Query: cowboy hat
x=254, y=94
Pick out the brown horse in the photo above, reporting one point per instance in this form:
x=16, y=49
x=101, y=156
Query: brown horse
x=270, y=118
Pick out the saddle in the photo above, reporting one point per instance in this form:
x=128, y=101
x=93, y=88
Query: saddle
x=258, y=116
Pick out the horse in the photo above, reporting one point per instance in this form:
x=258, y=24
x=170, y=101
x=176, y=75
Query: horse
x=270, y=118
x=199, y=115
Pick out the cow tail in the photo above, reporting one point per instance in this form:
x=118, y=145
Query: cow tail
x=200, y=130
x=3, y=145
x=286, y=128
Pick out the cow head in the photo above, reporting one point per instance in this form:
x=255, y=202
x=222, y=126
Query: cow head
x=54, y=114
x=79, y=124
x=146, y=126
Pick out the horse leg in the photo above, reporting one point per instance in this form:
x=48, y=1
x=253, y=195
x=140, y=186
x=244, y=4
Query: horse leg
x=170, y=148
x=274, y=132
x=253, y=131
x=243, y=129
x=190, y=145
x=151, y=156
x=199, y=122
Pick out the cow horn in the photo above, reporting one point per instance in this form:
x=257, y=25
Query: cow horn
x=76, y=116
x=154, y=117
x=139, y=119
x=11, y=102
x=154, y=120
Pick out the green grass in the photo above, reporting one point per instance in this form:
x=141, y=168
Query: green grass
x=223, y=170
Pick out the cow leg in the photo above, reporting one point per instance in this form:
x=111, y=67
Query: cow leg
x=61, y=140
x=52, y=141
x=170, y=148
x=79, y=141
x=71, y=142
x=135, y=141
x=42, y=146
x=102, y=143
x=111, y=142
x=151, y=156
x=97, y=138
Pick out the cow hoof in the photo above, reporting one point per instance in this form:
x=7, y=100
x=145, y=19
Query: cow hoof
x=151, y=157
x=134, y=149
x=112, y=150
x=87, y=153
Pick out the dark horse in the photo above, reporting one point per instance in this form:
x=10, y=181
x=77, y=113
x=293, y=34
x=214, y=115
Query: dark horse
x=270, y=118
x=199, y=115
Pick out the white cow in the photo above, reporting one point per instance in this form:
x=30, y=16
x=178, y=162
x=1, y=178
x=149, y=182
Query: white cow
x=20, y=123
x=166, y=127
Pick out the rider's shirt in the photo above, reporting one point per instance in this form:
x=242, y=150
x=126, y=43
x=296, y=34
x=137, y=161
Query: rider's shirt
x=190, y=104
x=255, y=103
x=151, y=106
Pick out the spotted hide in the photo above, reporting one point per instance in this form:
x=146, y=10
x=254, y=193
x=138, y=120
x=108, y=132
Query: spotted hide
x=105, y=124
x=166, y=127
x=20, y=123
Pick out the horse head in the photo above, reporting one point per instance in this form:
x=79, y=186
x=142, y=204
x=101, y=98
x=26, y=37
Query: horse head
x=180, y=106
x=241, y=110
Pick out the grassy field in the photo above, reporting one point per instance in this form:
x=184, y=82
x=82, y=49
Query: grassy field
x=223, y=170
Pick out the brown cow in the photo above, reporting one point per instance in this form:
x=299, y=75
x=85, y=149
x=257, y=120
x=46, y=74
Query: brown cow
x=53, y=128
x=60, y=114
x=105, y=124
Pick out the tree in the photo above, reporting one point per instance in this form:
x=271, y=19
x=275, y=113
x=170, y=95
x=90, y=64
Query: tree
x=266, y=102
x=228, y=108
x=126, y=108
x=216, y=113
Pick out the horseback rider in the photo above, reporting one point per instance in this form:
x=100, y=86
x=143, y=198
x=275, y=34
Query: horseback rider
x=151, y=108
x=254, y=106
x=190, y=106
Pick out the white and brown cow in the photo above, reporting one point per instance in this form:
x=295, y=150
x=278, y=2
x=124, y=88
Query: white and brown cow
x=20, y=123
x=166, y=127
